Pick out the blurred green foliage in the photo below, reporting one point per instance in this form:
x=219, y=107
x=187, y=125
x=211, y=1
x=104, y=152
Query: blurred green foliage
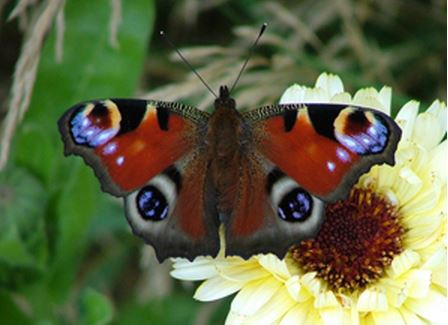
x=66, y=254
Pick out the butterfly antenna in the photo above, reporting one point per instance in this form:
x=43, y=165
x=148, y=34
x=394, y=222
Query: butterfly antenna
x=262, y=29
x=162, y=33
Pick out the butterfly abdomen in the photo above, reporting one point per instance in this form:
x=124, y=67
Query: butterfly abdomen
x=224, y=155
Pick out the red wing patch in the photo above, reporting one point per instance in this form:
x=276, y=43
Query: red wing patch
x=316, y=162
x=127, y=142
x=191, y=200
x=133, y=158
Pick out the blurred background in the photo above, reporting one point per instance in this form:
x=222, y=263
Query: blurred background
x=66, y=252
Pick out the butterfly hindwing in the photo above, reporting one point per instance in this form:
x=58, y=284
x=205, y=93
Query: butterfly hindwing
x=324, y=147
x=272, y=211
x=129, y=141
x=175, y=211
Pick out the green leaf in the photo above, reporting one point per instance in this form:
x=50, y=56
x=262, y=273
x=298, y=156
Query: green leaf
x=10, y=312
x=90, y=68
x=161, y=311
x=96, y=309
x=23, y=245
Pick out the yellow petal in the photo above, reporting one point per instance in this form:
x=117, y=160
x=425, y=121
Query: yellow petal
x=235, y=319
x=310, y=282
x=433, y=307
x=294, y=94
x=294, y=287
x=438, y=110
x=397, y=291
x=419, y=282
x=385, y=98
x=367, y=97
x=332, y=316
x=316, y=95
x=331, y=83
x=298, y=315
x=427, y=130
x=199, y=269
x=406, y=119
x=273, y=264
x=274, y=309
x=326, y=299
x=425, y=201
x=254, y=295
x=372, y=300
x=247, y=271
x=342, y=98
x=403, y=262
x=411, y=318
x=392, y=316
x=216, y=288
x=437, y=263
x=438, y=162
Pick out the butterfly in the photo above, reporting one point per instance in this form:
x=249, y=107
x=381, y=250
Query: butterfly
x=264, y=175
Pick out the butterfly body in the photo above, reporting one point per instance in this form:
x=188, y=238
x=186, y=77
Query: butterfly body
x=264, y=175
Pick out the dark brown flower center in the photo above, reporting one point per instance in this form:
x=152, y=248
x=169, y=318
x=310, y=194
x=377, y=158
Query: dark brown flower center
x=357, y=241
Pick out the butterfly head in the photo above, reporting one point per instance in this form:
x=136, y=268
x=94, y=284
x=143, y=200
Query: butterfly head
x=224, y=100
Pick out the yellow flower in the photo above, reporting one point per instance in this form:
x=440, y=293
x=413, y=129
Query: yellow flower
x=379, y=258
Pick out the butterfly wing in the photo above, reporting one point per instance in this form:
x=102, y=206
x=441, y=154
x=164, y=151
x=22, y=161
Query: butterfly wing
x=297, y=158
x=175, y=211
x=129, y=141
x=324, y=147
x=272, y=211
x=151, y=153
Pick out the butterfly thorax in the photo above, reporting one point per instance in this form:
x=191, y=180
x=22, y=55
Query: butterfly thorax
x=224, y=144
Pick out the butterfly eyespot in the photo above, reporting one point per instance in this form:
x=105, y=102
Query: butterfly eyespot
x=295, y=206
x=362, y=132
x=152, y=204
x=95, y=123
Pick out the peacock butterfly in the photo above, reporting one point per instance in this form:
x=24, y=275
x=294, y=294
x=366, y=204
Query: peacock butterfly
x=264, y=175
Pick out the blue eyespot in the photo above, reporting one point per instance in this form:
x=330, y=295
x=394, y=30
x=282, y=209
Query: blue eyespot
x=93, y=129
x=152, y=204
x=295, y=206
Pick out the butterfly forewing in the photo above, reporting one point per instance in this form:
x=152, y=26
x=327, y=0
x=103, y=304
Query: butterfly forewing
x=324, y=147
x=128, y=141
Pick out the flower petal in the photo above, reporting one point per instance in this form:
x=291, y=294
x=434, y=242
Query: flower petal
x=406, y=119
x=411, y=318
x=419, y=282
x=437, y=263
x=402, y=263
x=367, y=97
x=244, y=271
x=432, y=307
x=385, y=98
x=332, y=316
x=274, y=265
x=428, y=131
x=438, y=163
x=331, y=83
x=216, y=288
x=372, y=300
x=294, y=94
x=300, y=314
x=254, y=295
x=199, y=269
x=326, y=299
x=276, y=308
x=341, y=98
x=391, y=316
x=438, y=109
